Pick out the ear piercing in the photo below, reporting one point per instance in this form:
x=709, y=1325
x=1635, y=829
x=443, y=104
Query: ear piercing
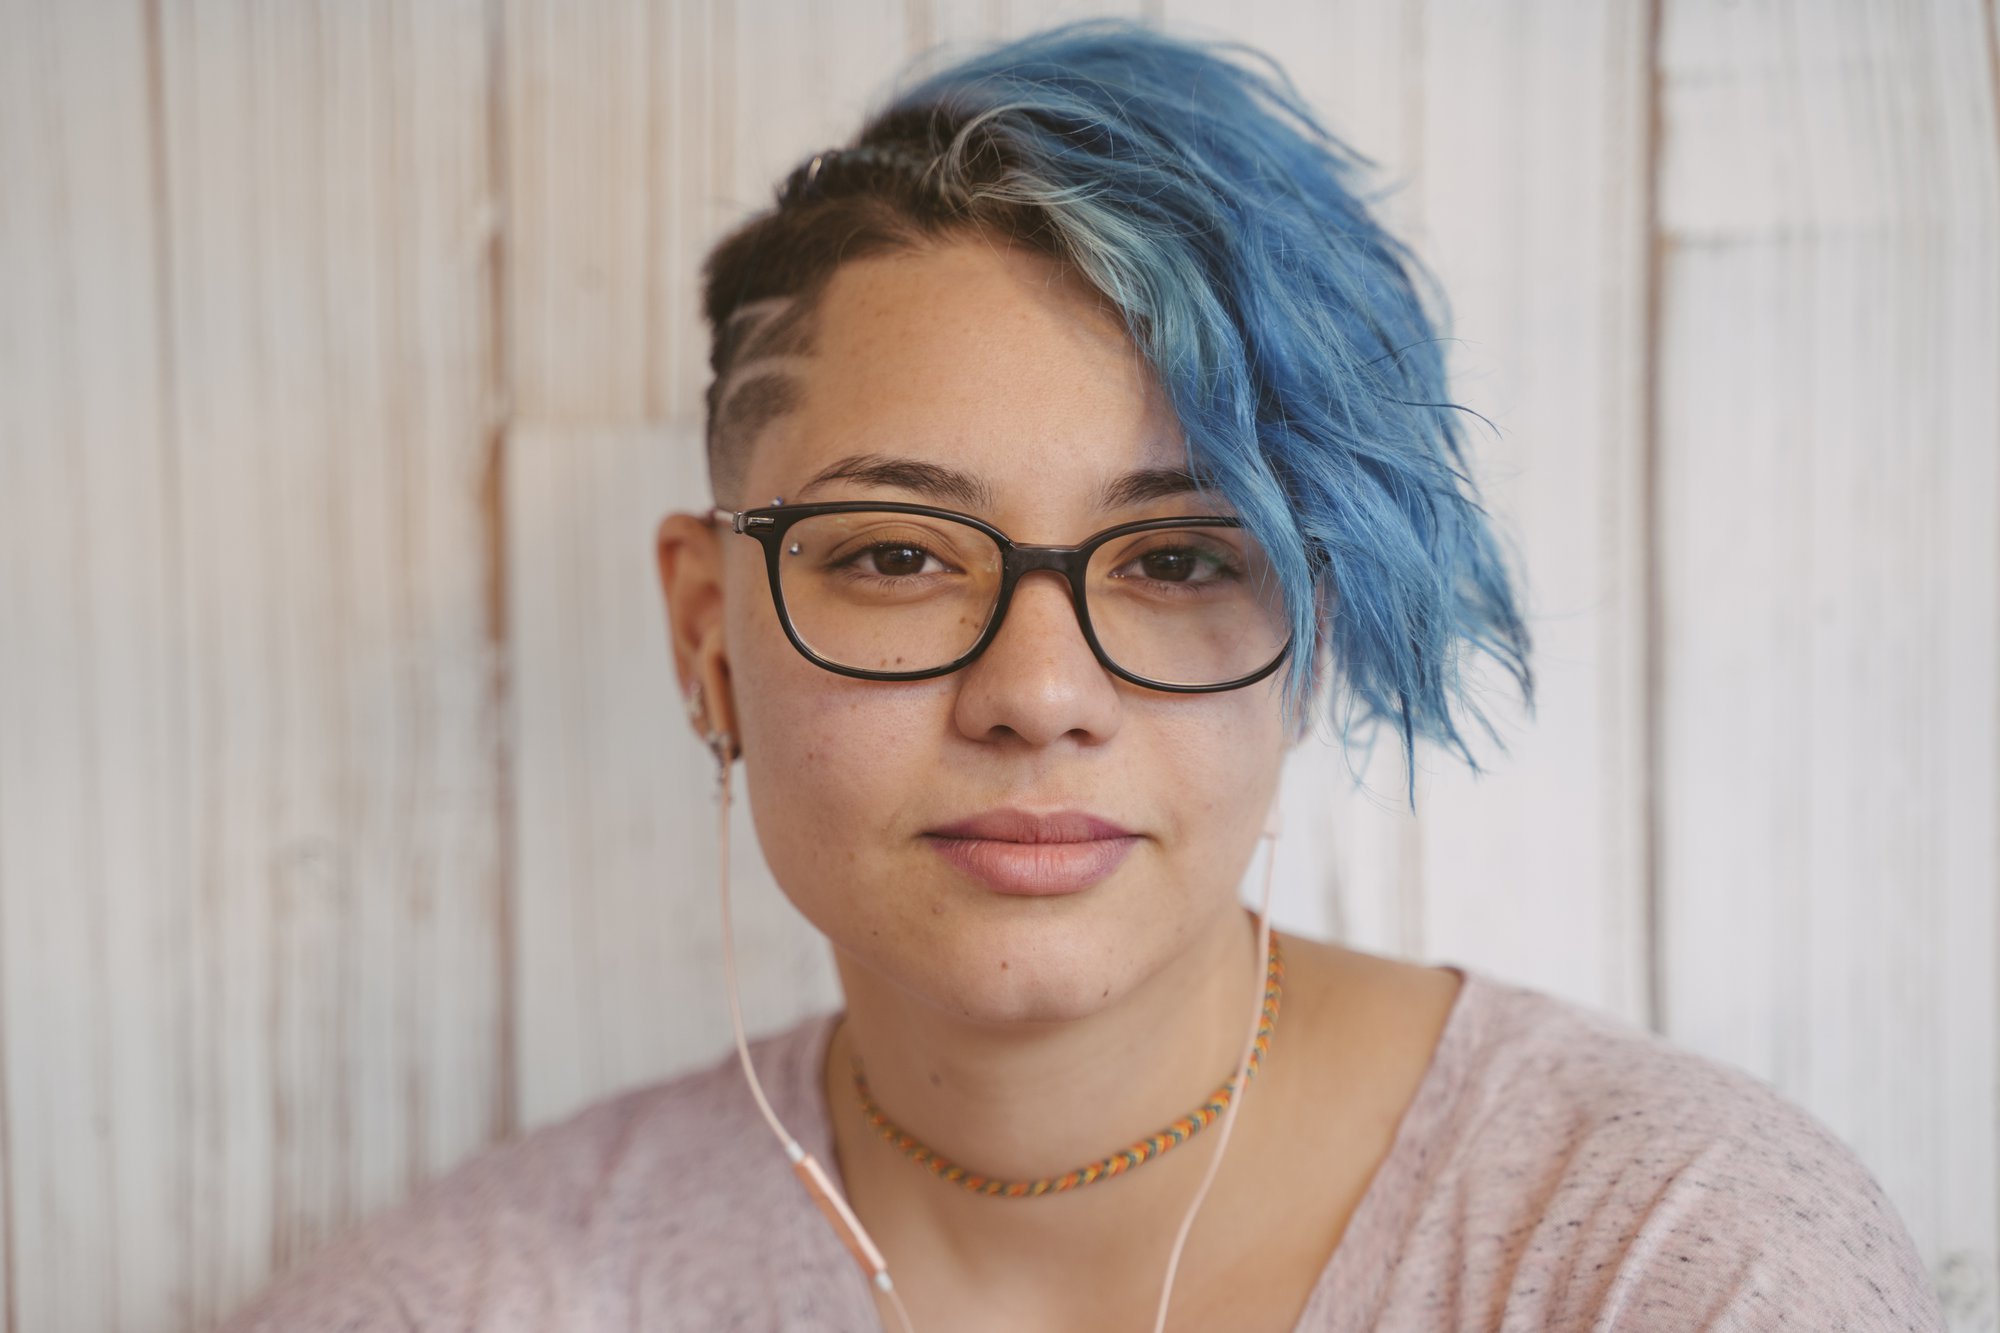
x=720, y=743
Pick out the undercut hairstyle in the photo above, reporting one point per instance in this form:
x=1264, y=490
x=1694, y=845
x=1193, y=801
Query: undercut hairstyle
x=1191, y=186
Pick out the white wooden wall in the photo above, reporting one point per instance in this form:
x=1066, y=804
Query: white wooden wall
x=349, y=353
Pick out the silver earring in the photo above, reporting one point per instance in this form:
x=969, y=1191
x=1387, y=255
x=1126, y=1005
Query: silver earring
x=718, y=742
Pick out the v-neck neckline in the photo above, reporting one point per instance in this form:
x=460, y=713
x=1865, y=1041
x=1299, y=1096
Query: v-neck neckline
x=1352, y=1280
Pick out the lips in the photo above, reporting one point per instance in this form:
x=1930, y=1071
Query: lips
x=1020, y=826
x=1015, y=852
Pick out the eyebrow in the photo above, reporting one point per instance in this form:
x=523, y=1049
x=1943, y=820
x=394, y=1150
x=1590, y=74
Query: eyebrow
x=946, y=484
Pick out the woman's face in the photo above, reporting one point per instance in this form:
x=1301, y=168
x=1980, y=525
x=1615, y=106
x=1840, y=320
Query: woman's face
x=989, y=362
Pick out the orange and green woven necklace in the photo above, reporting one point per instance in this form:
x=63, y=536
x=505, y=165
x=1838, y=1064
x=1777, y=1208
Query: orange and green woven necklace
x=1145, y=1150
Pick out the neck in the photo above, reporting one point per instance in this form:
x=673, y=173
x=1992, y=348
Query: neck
x=1025, y=1101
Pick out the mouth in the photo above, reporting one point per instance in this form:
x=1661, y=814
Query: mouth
x=1027, y=855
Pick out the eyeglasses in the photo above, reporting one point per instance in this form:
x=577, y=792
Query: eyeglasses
x=905, y=592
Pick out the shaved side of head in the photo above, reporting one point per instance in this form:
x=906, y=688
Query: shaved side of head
x=762, y=350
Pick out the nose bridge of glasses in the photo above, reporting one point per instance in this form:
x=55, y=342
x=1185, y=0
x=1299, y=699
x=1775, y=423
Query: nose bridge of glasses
x=1064, y=563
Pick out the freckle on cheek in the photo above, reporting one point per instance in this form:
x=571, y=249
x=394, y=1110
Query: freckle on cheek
x=1003, y=964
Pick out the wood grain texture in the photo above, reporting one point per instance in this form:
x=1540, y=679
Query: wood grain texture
x=330, y=215
x=1534, y=212
x=93, y=920
x=252, y=877
x=1830, y=565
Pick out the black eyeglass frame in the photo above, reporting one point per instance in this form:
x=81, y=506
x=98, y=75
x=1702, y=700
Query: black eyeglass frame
x=770, y=523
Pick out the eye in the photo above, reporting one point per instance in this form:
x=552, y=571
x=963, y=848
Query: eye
x=896, y=559
x=889, y=560
x=1181, y=563
x=1173, y=564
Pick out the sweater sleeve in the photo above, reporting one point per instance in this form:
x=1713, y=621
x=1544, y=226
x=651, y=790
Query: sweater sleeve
x=339, y=1290
x=1775, y=1225
x=503, y=1243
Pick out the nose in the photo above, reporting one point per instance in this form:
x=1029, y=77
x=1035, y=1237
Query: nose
x=1038, y=679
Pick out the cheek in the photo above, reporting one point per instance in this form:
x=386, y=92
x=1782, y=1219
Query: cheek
x=1218, y=772
x=832, y=766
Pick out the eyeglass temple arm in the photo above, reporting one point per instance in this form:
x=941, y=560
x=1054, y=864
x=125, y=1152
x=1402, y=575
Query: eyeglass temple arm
x=735, y=521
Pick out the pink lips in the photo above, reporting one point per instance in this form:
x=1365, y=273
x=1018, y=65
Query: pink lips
x=1015, y=852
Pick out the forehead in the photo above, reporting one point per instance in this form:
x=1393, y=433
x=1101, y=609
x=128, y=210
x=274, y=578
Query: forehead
x=984, y=359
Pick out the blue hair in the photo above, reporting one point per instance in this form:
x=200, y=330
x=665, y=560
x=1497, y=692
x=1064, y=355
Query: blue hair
x=1203, y=198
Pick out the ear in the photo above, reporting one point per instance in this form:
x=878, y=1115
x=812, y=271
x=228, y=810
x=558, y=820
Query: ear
x=689, y=551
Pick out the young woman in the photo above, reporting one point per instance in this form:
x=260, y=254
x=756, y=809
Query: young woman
x=1077, y=435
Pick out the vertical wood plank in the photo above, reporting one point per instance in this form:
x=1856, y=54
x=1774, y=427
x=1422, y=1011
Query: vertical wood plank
x=958, y=27
x=1830, y=200
x=329, y=213
x=1534, y=169
x=93, y=1024
x=581, y=144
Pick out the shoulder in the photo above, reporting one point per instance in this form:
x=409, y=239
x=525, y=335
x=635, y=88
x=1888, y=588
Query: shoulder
x=1607, y=1177
x=531, y=1232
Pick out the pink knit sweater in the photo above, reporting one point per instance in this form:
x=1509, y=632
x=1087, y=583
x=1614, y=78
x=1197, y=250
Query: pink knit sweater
x=1556, y=1170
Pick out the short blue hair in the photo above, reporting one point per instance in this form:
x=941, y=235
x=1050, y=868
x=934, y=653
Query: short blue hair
x=1203, y=198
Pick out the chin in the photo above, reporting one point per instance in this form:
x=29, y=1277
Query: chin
x=1012, y=962
x=1021, y=1001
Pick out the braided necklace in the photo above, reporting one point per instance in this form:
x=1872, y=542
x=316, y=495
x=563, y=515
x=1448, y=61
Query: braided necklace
x=1145, y=1150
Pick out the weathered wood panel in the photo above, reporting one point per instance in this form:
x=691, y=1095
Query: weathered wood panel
x=94, y=926
x=252, y=883
x=1533, y=200
x=1829, y=573
x=329, y=218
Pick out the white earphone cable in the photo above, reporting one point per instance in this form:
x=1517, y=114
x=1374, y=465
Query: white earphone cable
x=808, y=1169
x=1270, y=835
x=838, y=1214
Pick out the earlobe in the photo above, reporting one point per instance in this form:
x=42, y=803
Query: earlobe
x=688, y=553
x=720, y=740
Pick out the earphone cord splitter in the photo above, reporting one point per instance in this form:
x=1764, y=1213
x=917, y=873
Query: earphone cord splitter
x=820, y=1186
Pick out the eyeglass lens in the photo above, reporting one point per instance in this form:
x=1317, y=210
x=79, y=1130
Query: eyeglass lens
x=885, y=591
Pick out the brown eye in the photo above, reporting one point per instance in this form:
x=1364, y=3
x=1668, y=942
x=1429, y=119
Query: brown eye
x=1171, y=566
x=898, y=561
x=1186, y=565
